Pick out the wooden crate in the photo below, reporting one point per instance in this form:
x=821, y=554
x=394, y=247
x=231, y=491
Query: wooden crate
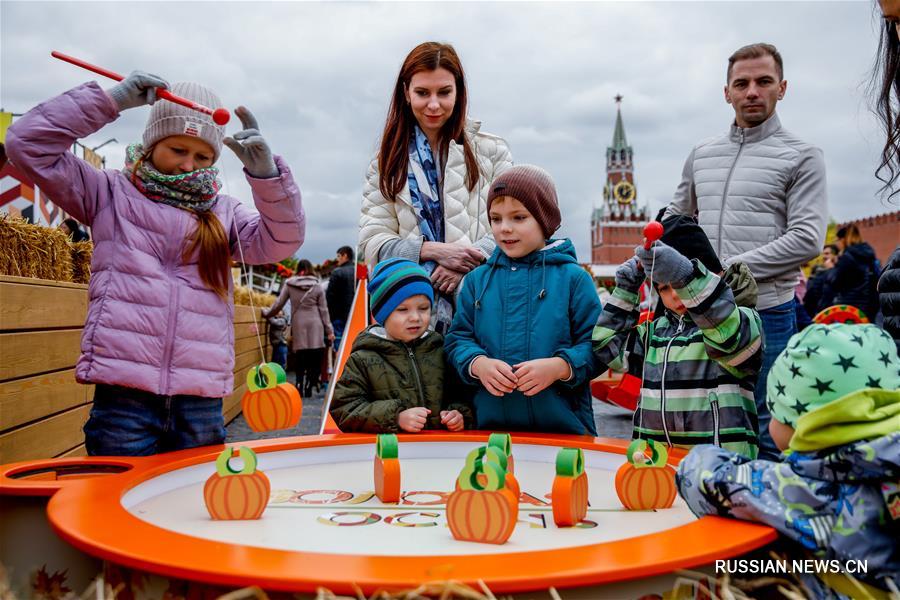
x=42, y=407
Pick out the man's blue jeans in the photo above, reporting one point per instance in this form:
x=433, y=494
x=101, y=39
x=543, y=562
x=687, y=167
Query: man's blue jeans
x=338, y=325
x=779, y=324
x=279, y=355
x=129, y=422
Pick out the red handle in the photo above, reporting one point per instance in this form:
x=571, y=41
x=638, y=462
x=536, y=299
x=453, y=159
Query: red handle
x=220, y=115
x=86, y=65
x=652, y=232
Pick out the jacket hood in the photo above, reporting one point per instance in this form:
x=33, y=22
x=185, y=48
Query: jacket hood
x=861, y=252
x=864, y=414
x=302, y=281
x=556, y=252
x=375, y=338
x=865, y=461
x=742, y=283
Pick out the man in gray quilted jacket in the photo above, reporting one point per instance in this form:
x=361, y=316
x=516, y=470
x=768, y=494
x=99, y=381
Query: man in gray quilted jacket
x=759, y=193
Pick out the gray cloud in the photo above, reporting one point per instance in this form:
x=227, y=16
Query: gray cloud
x=542, y=75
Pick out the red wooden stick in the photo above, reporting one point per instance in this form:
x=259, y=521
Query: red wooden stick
x=220, y=116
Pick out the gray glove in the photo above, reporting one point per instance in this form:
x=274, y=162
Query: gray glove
x=665, y=264
x=138, y=89
x=629, y=275
x=251, y=148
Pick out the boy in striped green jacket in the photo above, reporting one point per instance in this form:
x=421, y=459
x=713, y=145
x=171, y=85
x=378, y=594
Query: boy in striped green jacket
x=704, y=353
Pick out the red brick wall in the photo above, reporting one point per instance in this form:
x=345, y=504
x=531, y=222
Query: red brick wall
x=618, y=244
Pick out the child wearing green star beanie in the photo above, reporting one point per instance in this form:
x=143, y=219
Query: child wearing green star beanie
x=834, y=396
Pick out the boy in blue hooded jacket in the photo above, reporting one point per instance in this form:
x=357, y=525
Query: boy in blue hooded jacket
x=835, y=403
x=523, y=323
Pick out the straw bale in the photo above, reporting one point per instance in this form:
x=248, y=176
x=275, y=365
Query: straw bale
x=81, y=261
x=243, y=294
x=28, y=250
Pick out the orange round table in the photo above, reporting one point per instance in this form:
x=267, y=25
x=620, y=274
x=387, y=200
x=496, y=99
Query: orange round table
x=324, y=527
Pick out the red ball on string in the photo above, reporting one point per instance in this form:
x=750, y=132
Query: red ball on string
x=221, y=116
x=652, y=232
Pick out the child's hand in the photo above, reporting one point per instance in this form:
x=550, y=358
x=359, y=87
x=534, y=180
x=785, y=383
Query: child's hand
x=251, y=147
x=413, y=419
x=536, y=375
x=666, y=264
x=138, y=89
x=496, y=376
x=452, y=420
x=629, y=275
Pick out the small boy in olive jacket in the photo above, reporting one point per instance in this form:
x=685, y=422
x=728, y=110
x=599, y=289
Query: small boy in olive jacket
x=395, y=377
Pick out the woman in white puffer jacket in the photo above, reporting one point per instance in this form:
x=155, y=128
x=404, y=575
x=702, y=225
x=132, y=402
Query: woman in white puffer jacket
x=426, y=189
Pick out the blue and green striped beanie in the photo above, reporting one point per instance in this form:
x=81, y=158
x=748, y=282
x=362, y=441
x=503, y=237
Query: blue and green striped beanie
x=393, y=281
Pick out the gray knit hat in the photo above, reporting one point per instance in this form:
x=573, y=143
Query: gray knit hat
x=534, y=188
x=167, y=118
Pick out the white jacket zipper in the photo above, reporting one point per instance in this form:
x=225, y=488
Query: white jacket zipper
x=662, y=383
x=725, y=195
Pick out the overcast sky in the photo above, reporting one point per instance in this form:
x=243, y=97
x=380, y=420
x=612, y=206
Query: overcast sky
x=542, y=75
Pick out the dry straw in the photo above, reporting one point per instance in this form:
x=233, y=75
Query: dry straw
x=28, y=250
x=81, y=261
x=242, y=295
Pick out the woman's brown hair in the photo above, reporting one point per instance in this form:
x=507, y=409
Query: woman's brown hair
x=214, y=256
x=850, y=234
x=393, y=157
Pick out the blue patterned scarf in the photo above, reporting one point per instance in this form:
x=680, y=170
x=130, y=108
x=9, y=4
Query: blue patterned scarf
x=425, y=195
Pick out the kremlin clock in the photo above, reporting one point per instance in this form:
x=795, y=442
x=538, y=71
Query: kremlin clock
x=624, y=192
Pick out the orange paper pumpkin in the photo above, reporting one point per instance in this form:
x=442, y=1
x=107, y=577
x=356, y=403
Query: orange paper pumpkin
x=644, y=484
x=270, y=403
x=387, y=468
x=485, y=513
x=570, y=488
x=236, y=495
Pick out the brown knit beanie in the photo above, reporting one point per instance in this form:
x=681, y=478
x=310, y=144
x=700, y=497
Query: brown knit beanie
x=167, y=118
x=534, y=188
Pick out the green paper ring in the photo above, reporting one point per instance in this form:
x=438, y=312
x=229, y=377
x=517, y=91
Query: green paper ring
x=658, y=453
x=223, y=462
x=502, y=442
x=570, y=462
x=492, y=454
x=265, y=377
x=468, y=478
x=386, y=445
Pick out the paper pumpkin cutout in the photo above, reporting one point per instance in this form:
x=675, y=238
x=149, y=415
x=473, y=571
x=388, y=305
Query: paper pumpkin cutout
x=840, y=313
x=270, y=403
x=487, y=512
x=387, y=468
x=503, y=442
x=236, y=495
x=570, y=488
x=646, y=483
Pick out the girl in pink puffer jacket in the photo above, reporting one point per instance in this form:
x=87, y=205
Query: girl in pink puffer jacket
x=158, y=341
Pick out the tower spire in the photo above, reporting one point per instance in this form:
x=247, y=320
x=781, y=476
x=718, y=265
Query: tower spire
x=619, y=142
